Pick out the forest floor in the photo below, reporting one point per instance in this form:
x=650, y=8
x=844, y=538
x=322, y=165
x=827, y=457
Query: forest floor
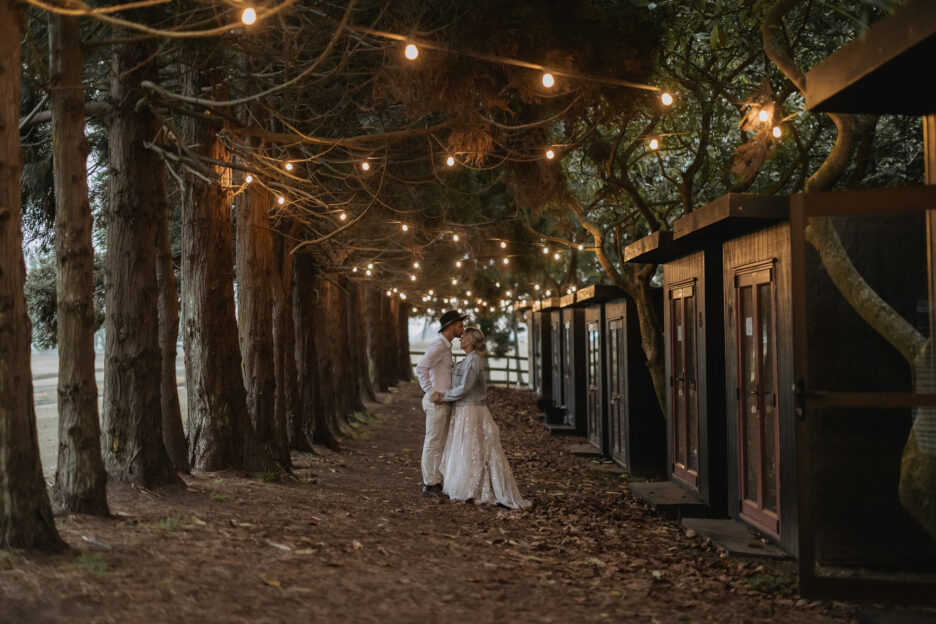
x=351, y=539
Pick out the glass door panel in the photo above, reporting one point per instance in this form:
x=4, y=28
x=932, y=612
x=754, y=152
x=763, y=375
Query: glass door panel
x=616, y=372
x=684, y=412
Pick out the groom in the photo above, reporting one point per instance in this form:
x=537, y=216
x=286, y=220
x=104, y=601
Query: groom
x=435, y=375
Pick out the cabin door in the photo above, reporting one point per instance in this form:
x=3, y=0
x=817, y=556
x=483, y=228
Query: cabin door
x=684, y=409
x=758, y=426
x=557, y=385
x=593, y=334
x=617, y=399
x=568, y=373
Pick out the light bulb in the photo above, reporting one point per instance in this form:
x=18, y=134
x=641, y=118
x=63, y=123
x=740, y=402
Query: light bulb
x=581, y=247
x=281, y=201
x=370, y=266
x=368, y=273
x=508, y=293
x=666, y=98
x=396, y=290
x=431, y=293
x=763, y=115
x=536, y=287
x=454, y=282
x=354, y=270
x=556, y=256
x=389, y=294
x=497, y=284
x=455, y=237
x=402, y=295
x=503, y=245
x=289, y=167
x=450, y=161
x=468, y=293
x=545, y=250
x=249, y=16
x=343, y=216
x=548, y=293
x=412, y=278
x=506, y=260
x=654, y=143
x=411, y=51
x=550, y=154
x=405, y=227
x=248, y=179
x=365, y=166
x=458, y=263
x=415, y=265
x=777, y=132
x=548, y=80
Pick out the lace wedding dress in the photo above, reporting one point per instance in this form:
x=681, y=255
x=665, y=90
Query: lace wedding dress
x=474, y=466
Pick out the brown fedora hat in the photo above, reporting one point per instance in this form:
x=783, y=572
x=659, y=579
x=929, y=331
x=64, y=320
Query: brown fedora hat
x=452, y=316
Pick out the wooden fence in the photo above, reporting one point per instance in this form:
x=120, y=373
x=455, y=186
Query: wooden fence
x=511, y=370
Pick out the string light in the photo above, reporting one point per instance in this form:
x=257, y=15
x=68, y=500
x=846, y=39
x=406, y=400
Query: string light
x=458, y=263
x=497, y=284
x=450, y=161
x=763, y=115
x=389, y=294
x=343, y=216
x=402, y=295
x=581, y=247
x=455, y=237
x=777, y=132
x=365, y=166
x=370, y=265
x=666, y=98
x=281, y=200
x=503, y=245
x=248, y=179
x=548, y=80
x=550, y=154
x=454, y=282
x=467, y=293
x=654, y=144
x=354, y=270
x=412, y=278
x=415, y=265
x=506, y=260
x=548, y=293
x=431, y=293
x=405, y=227
x=508, y=293
x=249, y=16
x=368, y=273
x=536, y=287
x=411, y=51
x=545, y=250
x=556, y=255
x=396, y=290
x=289, y=166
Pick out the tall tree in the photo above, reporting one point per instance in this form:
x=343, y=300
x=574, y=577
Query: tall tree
x=132, y=417
x=25, y=513
x=80, y=479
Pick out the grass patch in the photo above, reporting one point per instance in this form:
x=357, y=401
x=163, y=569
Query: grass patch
x=170, y=523
x=770, y=584
x=218, y=497
x=90, y=562
x=270, y=475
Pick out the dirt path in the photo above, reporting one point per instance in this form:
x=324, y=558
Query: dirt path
x=353, y=541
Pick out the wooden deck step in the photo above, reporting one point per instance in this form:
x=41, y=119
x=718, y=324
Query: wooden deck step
x=669, y=499
x=583, y=450
x=735, y=537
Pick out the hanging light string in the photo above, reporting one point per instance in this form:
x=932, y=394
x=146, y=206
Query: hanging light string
x=503, y=60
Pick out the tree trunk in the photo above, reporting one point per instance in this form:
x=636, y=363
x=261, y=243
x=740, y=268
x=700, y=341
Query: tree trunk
x=80, y=479
x=325, y=326
x=25, y=513
x=376, y=339
x=132, y=415
x=285, y=352
x=405, y=367
x=361, y=343
x=307, y=317
x=255, y=275
x=220, y=435
x=173, y=433
x=391, y=356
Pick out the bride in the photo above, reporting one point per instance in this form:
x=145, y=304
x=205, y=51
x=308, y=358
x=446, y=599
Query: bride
x=473, y=463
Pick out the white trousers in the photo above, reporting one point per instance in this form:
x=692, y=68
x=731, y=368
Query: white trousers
x=437, y=425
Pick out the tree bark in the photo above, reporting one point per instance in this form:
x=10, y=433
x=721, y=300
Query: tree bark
x=220, y=435
x=288, y=414
x=392, y=345
x=376, y=338
x=25, y=512
x=255, y=276
x=361, y=343
x=80, y=479
x=173, y=432
x=327, y=310
x=404, y=367
x=132, y=416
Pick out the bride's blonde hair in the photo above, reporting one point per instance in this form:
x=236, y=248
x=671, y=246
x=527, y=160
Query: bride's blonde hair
x=476, y=338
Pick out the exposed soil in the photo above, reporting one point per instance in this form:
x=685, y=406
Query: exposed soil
x=352, y=540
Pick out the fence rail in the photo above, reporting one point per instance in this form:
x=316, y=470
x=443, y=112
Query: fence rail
x=498, y=375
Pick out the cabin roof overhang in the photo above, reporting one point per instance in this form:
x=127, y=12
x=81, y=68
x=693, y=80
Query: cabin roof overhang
x=654, y=248
x=884, y=71
x=544, y=305
x=729, y=216
x=597, y=293
x=523, y=306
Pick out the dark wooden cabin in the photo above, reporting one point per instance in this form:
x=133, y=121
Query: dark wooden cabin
x=696, y=453
x=636, y=427
x=525, y=311
x=547, y=323
x=571, y=372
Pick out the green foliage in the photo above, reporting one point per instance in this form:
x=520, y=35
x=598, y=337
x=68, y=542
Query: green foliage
x=770, y=584
x=170, y=523
x=41, y=299
x=90, y=562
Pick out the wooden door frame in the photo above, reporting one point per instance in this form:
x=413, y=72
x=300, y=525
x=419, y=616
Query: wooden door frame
x=677, y=292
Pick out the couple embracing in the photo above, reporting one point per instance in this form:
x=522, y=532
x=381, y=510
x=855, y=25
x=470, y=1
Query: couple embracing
x=462, y=455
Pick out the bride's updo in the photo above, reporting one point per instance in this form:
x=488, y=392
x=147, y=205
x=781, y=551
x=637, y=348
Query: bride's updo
x=474, y=337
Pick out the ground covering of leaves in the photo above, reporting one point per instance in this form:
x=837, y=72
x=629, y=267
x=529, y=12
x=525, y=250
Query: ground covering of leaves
x=351, y=539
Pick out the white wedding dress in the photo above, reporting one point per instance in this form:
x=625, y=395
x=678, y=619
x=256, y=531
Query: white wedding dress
x=474, y=466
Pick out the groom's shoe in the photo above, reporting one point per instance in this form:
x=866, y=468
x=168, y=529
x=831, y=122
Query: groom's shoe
x=433, y=491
